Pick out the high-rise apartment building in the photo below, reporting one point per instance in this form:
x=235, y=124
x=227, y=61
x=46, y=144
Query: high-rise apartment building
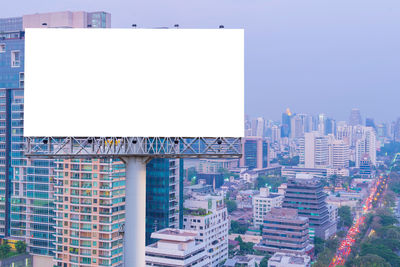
x=176, y=248
x=90, y=211
x=284, y=230
x=340, y=154
x=366, y=146
x=314, y=150
x=305, y=194
x=208, y=215
x=27, y=187
x=255, y=153
x=263, y=203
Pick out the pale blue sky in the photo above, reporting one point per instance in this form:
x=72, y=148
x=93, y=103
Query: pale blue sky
x=310, y=55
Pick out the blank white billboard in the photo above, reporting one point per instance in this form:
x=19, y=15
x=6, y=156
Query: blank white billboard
x=134, y=82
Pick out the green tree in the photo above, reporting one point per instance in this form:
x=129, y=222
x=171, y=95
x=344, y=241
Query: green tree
x=264, y=262
x=4, y=249
x=20, y=246
x=319, y=245
x=236, y=228
x=382, y=251
x=231, y=205
x=371, y=260
x=346, y=219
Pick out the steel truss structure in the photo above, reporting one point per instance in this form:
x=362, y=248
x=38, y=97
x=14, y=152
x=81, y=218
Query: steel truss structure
x=155, y=147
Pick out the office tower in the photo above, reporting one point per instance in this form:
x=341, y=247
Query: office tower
x=28, y=186
x=305, y=194
x=90, y=204
x=314, y=150
x=285, y=127
x=209, y=216
x=255, y=153
x=340, y=154
x=355, y=117
x=164, y=190
x=284, y=230
x=263, y=203
x=176, y=248
x=369, y=122
x=366, y=146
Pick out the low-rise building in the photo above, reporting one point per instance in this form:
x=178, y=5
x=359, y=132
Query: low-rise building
x=263, y=203
x=289, y=260
x=285, y=231
x=246, y=238
x=176, y=247
x=209, y=216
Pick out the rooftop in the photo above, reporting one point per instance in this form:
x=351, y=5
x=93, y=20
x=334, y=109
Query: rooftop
x=287, y=258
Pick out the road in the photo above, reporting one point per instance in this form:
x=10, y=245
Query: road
x=374, y=197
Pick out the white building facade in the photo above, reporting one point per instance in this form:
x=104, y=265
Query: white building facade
x=176, y=248
x=208, y=215
x=263, y=203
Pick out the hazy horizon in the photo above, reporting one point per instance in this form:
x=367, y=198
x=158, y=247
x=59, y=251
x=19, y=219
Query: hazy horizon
x=313, y=56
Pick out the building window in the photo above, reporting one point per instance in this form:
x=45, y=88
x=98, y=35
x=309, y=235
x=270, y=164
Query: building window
x=15, y=59
x=2, y=48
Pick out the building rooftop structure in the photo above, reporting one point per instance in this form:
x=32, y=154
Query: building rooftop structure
x=289, y=260
x=176, y=247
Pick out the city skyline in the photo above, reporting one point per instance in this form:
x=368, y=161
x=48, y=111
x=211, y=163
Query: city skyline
x=313, y=56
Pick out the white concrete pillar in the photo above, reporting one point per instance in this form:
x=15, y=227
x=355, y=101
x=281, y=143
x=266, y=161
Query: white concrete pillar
x=135, y=212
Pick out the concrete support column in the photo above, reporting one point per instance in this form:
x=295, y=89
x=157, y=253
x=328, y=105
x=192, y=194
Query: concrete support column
x=135, y=212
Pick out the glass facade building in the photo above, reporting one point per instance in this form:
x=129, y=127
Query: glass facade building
x=164, y=195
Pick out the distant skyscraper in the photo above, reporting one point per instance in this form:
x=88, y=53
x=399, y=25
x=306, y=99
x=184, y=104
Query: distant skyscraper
x=396, y=130
x=355, y=117
x=330, y=126
x=369, y=122
x=366, y=146
x=297, y=125
x=285, y=128
x=255, y=153
x=340, y=154
x=314, y=150
x=260, y=127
